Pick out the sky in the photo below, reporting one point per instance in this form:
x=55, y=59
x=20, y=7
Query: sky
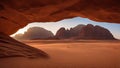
x=68, y=23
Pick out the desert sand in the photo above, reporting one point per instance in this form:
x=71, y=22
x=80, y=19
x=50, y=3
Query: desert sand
x=69, y=54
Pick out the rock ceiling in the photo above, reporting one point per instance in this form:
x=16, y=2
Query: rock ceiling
x=15, y=14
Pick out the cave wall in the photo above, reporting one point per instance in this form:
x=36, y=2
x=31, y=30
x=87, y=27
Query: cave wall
x=15, y=14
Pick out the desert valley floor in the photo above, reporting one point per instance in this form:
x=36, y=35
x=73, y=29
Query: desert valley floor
x=69, y=54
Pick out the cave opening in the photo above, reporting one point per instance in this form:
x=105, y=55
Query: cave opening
x=53, y=27
x=82, y=33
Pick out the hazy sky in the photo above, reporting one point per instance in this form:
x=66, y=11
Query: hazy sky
x=68, y=23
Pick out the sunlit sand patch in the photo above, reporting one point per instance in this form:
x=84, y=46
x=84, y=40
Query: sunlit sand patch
x=94, y=54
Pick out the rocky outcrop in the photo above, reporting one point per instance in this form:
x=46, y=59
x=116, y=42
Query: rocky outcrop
x=62, y=33
x=19, y=37
x=34, y=33
x=12, y=48
x=75, y=30
x=85, y=32
x=95, y=32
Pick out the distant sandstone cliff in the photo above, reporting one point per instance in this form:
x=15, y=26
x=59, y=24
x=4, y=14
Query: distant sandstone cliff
x=85, y=32
x=95, y=32
x=62, y=33
x=35, y=33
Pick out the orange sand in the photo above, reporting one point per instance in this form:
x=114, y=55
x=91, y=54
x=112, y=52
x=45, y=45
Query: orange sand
x=69, y=54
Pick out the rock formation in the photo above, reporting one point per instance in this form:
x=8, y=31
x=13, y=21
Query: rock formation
x=12, y=48
x=15, y=14
x=95, y=32
x=85, y=32
x=76, y=30
x=18, y=37
x=62, y=33
x=34, y=33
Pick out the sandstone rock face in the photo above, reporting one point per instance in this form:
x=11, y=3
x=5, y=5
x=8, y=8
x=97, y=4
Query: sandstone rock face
x=17, y=14
x=85, y=32
x=76, y=30
x=35, y=33
x=95, y=32
x=62, y=33
x=12, y=48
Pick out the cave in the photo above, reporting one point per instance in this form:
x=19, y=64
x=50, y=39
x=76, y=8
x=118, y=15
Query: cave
x=16, y=14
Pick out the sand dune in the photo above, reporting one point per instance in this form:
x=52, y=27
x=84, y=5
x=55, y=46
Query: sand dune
x=70, y=54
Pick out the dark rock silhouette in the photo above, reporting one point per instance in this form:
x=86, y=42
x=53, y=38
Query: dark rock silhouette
x=95, y=32
x=85, y=32
x=88, y=32
x=35, y=33
x=62, y=33
x=76, y=30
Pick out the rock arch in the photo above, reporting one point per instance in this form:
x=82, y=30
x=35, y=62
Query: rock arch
x=16, y=14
